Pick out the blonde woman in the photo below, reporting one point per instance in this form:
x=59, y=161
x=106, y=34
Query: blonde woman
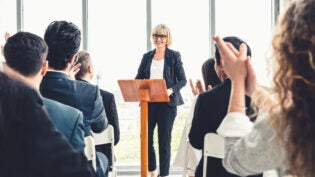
x=162, y=63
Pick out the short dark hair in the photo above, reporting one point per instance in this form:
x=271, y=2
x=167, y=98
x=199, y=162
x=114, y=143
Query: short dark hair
x=236, y=42
x=25, y=52
x=209, y=74
x=85, y=60
x=63, y=39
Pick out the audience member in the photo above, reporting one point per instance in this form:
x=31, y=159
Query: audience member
x=63, y=40
x=284, y=137
x=86, y=74
x=188, y=157
x=162, y=63
x=210, y=109
x=25, y=56
x=30, y=145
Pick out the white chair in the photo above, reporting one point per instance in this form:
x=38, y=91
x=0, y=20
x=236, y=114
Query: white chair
x=213, y=147
x=89, y=150
x=106, y=137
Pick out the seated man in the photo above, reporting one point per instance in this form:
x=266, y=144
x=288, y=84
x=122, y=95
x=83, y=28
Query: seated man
x=30, y=145
x=25, y=55
x=86, y=74
x=63, y=40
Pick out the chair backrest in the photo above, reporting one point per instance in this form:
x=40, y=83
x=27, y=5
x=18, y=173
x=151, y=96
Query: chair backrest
x=213, y=147
x=106, y=137
x=89, y=150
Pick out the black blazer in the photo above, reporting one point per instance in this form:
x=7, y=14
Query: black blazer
x=210, y=109
x=173, y=73
x=111, y=112
x=81, y=95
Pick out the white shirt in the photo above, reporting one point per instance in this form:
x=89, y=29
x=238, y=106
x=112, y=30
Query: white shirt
x=156, y=70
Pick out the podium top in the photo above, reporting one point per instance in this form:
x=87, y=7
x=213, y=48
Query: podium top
x=157, y=89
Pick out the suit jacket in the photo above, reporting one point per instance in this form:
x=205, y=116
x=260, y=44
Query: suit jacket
x=111, y=112
x=31, y=145
x=210, y=109
x=68, y=120
x=81, y=95
x=173, y=73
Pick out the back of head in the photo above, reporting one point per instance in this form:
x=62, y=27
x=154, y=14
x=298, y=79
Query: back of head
x=63, y=39
x=25, y=53
x=85, y=60
x=236, y=42
x=294, y=51
x=209, y=74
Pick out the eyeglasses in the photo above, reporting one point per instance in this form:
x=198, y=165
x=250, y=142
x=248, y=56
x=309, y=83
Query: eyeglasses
x=162, y=36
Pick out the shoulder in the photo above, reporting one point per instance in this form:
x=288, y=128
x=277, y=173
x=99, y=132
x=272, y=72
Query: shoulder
x=85, y=85
x=57, y=107
x=149, y=54
x=105, y=93
x=172, y=53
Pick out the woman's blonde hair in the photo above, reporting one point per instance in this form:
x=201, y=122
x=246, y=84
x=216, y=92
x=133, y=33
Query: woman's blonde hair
x=294, y=79
x=163, y=29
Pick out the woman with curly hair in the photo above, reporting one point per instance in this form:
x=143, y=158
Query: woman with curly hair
x=283, y=138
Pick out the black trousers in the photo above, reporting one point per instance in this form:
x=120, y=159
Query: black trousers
x=162, y=115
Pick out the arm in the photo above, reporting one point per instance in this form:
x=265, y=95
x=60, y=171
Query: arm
x=179, y=74
x=140, y=74
x=51, y=154
x=100, y=120
x=197, y=130
x=250, y=150
x=78, y=133
x=114, y=118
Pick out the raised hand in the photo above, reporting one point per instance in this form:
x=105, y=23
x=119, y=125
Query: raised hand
x=74, y=70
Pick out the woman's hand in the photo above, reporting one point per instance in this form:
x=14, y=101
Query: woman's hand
x=233, y=61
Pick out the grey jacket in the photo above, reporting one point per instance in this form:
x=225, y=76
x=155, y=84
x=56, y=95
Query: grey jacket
x=251, y=148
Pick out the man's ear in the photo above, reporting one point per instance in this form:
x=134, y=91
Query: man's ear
x=44, y=68
x=90, y=69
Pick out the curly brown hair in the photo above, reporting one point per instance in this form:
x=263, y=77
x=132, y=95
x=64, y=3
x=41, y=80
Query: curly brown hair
x=294, y=51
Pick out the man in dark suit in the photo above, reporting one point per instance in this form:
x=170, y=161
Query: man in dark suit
x=30, y=145
x=63, y=40
x=86, y=74
x=210, y=109
x=25, y=56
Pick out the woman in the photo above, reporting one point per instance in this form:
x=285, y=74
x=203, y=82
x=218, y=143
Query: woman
x=284, y=138
x=188, y=157
x=162, y=63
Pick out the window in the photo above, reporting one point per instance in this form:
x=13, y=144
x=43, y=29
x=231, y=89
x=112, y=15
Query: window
x=37, y=19
x=251, y=20
x=117, y=41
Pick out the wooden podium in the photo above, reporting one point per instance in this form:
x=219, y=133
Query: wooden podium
x=144, y=91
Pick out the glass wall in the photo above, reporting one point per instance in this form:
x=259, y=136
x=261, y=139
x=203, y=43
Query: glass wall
x=251, y=20
x=117, y=41
x=7, y=20
x=39, y=14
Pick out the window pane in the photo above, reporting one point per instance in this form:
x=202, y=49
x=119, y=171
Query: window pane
x=7, y=20
x=36, y=20
x=117, y=41
x=251, y=21
x=189, y=25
